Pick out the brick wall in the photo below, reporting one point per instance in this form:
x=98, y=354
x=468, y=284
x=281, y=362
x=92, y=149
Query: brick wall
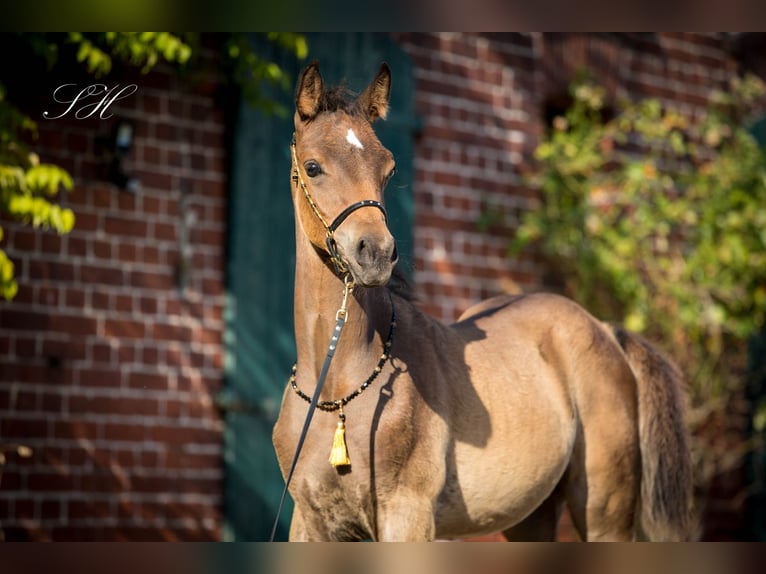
x=477, y=99
x=481, y=98
x=108, y=366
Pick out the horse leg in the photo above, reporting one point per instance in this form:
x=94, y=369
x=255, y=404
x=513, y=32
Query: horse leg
x=541, y=525
x=602, y=490
x=406, y=517
x=298, y=531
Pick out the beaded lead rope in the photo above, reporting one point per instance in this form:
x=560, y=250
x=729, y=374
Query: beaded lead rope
x=338, y=404
x=339, y=453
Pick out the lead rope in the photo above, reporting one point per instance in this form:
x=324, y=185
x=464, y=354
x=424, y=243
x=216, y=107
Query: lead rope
x=340, y=321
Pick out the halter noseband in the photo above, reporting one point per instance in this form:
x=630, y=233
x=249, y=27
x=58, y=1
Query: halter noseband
x=341, y=268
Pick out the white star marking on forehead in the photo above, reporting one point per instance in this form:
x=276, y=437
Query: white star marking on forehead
x=352, y=139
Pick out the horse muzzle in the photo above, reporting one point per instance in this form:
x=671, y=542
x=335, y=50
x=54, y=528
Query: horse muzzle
x=370, y=258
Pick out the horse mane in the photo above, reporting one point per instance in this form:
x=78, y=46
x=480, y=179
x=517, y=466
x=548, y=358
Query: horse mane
x=400, y=285
x=340, y=99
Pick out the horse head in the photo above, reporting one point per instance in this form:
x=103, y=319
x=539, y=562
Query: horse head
x=340, y=170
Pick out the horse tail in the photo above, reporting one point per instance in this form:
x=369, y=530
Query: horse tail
x=667, y=481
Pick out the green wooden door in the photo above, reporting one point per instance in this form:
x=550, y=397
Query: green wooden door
x=259, y=341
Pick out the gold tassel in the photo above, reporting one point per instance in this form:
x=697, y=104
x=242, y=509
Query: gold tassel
x=339, y=452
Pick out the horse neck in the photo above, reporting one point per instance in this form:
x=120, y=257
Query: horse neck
x=318, y=296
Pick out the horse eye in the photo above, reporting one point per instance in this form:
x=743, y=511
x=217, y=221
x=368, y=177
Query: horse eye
x=312, y=168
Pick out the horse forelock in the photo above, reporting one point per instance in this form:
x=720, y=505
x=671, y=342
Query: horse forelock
x=340, y=99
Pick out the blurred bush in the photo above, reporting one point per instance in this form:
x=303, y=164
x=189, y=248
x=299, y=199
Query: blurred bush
x=657, y=220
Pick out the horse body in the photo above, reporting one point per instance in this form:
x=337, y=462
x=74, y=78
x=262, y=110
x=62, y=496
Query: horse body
x=493, y=423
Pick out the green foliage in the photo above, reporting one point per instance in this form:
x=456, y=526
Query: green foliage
x=251, y=70
x=140, y=49
x=658, y=222
x=26, y=186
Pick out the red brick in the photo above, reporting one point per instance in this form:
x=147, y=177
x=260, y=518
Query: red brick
x=23, y=428
x=149, y=381
x=26, y=400
x=103, y=482
x=122, y=303
x=101, y=352
x=100, y=300
x=124, y=226
x=148, y=305
x=100, y=275
x=165, y=332
x=51, y=402
x=210, y=188
x=125, y=328
x=23, y=239
x=126, y=354
x=74, y=297
x=100, y=196
x=124, y=432
x=211, y=237
x=24, y=508
x=52, y=271
x=50, y=481
x=150, y=355
x=212, y=287
x=74, y=325
x=127, y=252
x=5, y=393
x=150, y=280
x=11, y=481
x=183, y=435
x=151, y=205
x=88, y=509
x=164, y=231
x=96, y=377
x=86, y=222
x=151, y=255
x=52, y=243
x=213, y=140
x=149, y=458
x=50, y=509
x=149, y=154
x=26, y=347
x=172, y=207
x=127, y=202
x=153, y=180
x=101, y=249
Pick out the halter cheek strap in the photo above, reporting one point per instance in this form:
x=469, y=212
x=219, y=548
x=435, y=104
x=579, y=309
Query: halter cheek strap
x=341, y=267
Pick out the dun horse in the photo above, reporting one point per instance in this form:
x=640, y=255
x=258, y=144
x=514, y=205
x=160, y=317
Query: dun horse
x=491, y=424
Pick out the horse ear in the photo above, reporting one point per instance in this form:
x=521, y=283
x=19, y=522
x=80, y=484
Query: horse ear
x=309, y=92
x=374, y=99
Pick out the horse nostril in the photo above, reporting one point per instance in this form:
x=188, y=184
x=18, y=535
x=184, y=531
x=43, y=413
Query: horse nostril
x=363, y=252
x=370, y=252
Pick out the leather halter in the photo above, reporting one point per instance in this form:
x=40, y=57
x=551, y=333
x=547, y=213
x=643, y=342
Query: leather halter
x=341, y=267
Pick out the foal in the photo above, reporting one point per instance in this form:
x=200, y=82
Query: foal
x=490, y=424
